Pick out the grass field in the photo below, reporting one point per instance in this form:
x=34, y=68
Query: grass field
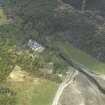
x=37, y=92
x=44, y=93
x=3, y=18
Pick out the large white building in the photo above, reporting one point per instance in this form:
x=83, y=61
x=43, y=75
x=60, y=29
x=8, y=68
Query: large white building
x=35, y=46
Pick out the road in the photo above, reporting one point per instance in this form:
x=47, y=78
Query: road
x=69, y=80
x=73, y=82
x=95, y=85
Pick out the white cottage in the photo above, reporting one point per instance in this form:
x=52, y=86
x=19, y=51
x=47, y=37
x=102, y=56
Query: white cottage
x=35, y=46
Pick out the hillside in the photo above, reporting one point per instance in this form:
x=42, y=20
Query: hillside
x=61, y=27
x=60, y=21
x=94, y=5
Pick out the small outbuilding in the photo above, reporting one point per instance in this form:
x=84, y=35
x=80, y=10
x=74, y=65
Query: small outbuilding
x=35, y=46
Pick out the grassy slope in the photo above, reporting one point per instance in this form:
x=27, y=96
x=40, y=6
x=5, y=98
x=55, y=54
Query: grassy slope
x=40, y=92
x=44, y=93
x=3, y=18
x=81, y=57
x=77, y=55
x=27, y=93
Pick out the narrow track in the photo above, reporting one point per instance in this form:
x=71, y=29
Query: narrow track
x=70, y=77
x=69, y=80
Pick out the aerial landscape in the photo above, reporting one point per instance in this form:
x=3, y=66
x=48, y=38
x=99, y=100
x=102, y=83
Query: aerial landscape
x=52, y=52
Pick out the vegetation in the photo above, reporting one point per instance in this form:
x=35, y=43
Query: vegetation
x=38, y=19
x=71, y=52
x=34, y=91
x=40, y=91
x=59, y=28
x=90, y=5
x=11, y=54
x=7, y=100
x=81, y=57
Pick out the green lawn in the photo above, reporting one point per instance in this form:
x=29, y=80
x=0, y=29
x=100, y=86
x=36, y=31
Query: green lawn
x=40, y=92
x=44, y=93
x=3, y=18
